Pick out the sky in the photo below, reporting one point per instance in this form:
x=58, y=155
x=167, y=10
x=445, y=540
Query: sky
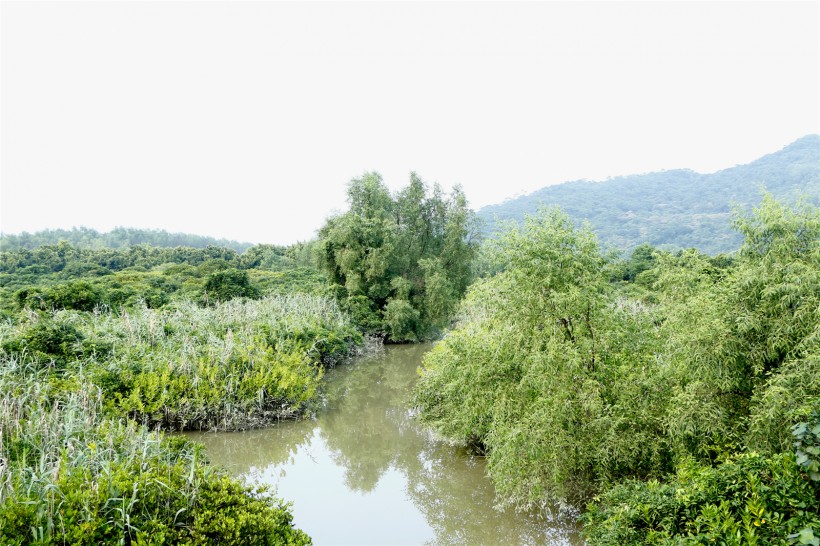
x=246, y=120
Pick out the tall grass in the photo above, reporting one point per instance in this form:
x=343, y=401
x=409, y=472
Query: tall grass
x=236, y=365
x=81, y=394
x=71, y=475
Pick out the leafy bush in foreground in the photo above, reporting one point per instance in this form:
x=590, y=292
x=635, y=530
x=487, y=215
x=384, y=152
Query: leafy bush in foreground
x=749, y=499
x=549, y=372
x=573, y=387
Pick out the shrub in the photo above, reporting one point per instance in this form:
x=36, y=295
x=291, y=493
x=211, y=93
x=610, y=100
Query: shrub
x=749, y=499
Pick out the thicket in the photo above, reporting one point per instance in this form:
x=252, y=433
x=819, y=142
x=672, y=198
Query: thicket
x=63, y=276
x=100, y=348
x=81, y=393
x=71, y=475
x=400, y=263
x=663, y=389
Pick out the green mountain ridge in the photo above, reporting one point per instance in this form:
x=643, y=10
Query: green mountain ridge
x=677, y=208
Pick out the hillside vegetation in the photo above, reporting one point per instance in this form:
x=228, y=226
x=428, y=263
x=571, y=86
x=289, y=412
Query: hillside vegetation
x=119, y=237
x=676, y=208
x=684, y=405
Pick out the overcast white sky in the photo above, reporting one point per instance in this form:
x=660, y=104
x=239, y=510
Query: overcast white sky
x=246, y=120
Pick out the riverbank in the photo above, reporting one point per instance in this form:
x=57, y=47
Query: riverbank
x=364, y=471
x=82, y=393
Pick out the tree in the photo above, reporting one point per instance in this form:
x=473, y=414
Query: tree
x=745, y=341
x=228, y=284
x=400, y=263
x=543, y=353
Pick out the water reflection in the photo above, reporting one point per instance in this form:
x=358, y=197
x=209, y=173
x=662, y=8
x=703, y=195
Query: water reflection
x=364, y=472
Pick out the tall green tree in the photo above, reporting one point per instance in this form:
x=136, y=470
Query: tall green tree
x=399, y=263
x=745, y=341
x=529, y=374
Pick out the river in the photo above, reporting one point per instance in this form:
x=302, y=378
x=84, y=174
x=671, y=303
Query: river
x=363, y=471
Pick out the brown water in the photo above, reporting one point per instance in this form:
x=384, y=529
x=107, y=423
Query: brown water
x=363, y=471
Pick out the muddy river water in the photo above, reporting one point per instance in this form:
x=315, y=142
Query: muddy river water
x=363, y=471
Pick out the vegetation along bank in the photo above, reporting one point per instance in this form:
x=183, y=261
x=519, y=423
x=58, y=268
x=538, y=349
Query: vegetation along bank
x=674, y=395
x=100, y=348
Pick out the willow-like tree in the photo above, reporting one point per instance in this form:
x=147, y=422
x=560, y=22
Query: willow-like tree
x=542, y=356
x=400, y=263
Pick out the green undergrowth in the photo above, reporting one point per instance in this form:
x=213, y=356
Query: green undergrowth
x=751, y=499
x=236, y=365
x=83, y=394
x=71, y=475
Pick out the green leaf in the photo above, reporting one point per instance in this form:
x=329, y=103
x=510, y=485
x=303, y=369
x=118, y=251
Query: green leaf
x=807, y=537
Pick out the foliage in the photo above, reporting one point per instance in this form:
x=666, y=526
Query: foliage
x=739, y=339
x=47, y=342
x=97, y=345
x=675, y=208
x=119, y=237
x=399, y=263
x=235, y=365
x=807, y=444
x=529, y=375
x=749, y=499
x=72, y=476
x=228, y=284
x=67, y=277
x=580, y=376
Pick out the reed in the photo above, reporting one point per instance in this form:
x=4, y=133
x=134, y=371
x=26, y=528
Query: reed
x=72, y=474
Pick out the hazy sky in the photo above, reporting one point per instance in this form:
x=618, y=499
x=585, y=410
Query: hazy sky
x=246, y=120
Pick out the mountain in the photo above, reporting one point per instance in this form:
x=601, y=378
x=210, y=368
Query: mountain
x=677, y=208
x=119, y=237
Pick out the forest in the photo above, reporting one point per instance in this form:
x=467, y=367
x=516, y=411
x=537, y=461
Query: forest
x=119, y=237
x=673, y=396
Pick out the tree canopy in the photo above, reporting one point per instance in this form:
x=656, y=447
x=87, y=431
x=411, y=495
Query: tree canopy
x=399, y=263
x=580, y=376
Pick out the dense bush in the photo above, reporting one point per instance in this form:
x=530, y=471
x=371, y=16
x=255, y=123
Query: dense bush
x=236, y=365
x=749, y=499
x=550, y=372
x=574, y=385
x=62, y=276
x=72, y=476
x=80, y=392
x=228, y=284
x=399, y=263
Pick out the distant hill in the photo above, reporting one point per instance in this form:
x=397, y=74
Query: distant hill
x=119, y=237
x=677, y=208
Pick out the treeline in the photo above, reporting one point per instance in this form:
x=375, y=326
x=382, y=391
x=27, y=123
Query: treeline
x=119, y=237
x=678, y=394
x=63, y=276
